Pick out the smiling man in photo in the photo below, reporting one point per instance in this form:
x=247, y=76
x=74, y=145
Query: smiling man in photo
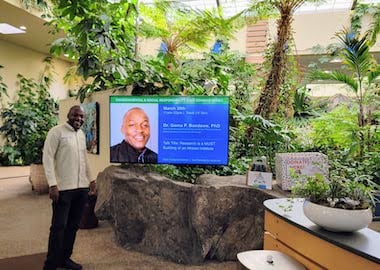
x=136, y=131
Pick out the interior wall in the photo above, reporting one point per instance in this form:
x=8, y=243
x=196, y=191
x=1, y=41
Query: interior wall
x=239, y=41
x=311, y=29
x=19, y=60
x=328, y=90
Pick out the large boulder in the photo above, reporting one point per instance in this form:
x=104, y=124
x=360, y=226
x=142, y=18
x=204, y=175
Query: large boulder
x=179, y=221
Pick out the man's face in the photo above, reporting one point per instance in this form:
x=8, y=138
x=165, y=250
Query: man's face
x=136, y=128
x=76, y=117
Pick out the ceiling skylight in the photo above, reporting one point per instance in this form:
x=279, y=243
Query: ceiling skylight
x=8, y=29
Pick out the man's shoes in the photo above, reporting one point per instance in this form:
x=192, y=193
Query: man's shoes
x=48, y=266
x=71, y=265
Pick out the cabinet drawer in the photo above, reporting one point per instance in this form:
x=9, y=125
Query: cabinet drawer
x=271, y=243
x=313, y=248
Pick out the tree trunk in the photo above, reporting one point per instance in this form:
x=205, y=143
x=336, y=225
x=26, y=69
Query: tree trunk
x=269, y=97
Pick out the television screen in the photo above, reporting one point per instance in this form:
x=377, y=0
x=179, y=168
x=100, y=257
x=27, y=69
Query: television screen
x=169, y=129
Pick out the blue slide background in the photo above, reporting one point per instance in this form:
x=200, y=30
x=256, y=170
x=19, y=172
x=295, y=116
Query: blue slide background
x=193, y=133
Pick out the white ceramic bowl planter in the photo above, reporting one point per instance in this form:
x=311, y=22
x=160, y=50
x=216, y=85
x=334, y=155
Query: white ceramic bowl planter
x=336, y=219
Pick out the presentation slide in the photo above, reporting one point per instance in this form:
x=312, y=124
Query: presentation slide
x=189, y=129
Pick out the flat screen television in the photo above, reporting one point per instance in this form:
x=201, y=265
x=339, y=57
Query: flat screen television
x=169, y=129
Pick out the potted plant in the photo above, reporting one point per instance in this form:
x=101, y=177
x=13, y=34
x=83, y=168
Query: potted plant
x=337, y=204
x=25, y=123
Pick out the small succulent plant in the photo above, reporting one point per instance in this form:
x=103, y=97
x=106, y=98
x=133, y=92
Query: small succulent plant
x=337, y=192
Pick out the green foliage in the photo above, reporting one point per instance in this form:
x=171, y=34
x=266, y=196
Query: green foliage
x=338, y=135
x=26, y=121
x=260, y=10
x=37, y=4
x=335, y=130
x=357, y=60
x=361, y=67
x=338, y=191
x=10, y=156
x=276, y=96
x=360, y=74
x=302, y=104
x=373, y=10
x=3, y=86
x=226, y=73
x=101, y=37
x=350, y=136
x=313, y=188
x=256, y=136
x=352, y=167
x=216, y=74
x=183, y=29
x=371, y=163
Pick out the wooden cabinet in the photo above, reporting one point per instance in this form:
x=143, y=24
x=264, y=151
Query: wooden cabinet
x=314, y=251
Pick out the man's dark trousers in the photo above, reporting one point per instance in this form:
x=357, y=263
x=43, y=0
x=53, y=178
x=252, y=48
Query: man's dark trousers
x=67, y=213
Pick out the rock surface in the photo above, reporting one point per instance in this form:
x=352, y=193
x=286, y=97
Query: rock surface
x=179, y=221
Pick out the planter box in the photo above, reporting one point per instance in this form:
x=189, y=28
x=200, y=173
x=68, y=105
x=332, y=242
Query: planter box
x=38, y=179
x=304, y=163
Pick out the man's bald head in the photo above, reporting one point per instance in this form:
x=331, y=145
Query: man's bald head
x=136, y=128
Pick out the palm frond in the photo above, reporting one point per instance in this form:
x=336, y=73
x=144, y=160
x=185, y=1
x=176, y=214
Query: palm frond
x=336, y=76
x=355, y=51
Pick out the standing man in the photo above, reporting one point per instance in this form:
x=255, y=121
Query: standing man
x=136, y=131
x=68, y=175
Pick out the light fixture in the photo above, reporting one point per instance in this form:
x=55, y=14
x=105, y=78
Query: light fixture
x=8, y=29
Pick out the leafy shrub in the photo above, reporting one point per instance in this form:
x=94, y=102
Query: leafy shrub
x=352, y=167
x=26, y=122
x=337, y=192
x=256, y=136
x=337, y=134
x=303, y=106
x=335, y=130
